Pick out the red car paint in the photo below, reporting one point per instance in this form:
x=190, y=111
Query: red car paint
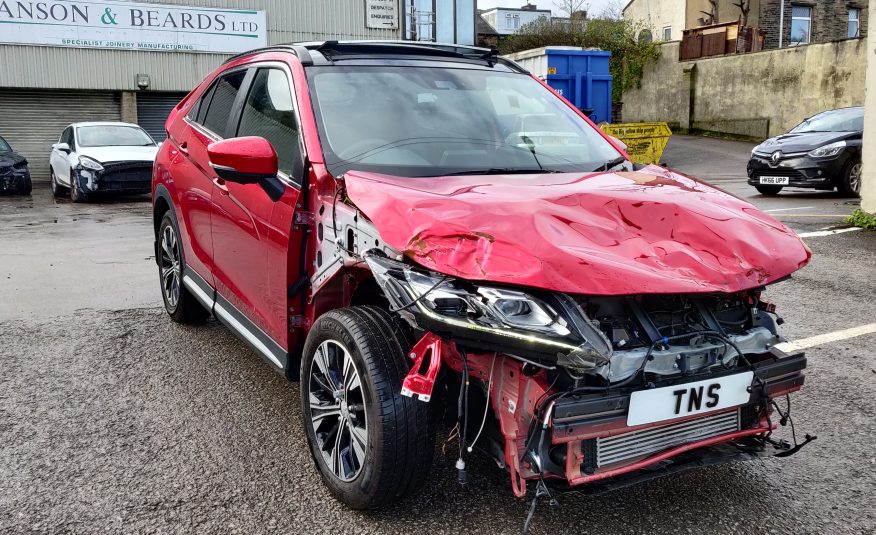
x=251, y=155
x=652, y=231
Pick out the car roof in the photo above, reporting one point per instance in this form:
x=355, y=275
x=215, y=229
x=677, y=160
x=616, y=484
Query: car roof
x=103, y=123
x=327, y=52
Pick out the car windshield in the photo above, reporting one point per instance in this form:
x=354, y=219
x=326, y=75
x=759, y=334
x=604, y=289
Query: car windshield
x=4, y=147
x=414, y=121
x=112, y=136
x=845, y=120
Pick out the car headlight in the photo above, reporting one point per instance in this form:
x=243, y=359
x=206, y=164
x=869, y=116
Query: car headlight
x=511, y=319
x=831, y=149
x=88, y=163
x=755, y=149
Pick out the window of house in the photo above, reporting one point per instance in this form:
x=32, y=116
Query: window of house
x=512, y=21
x=854, y=23
x=801, y=25
x=667, y=33
x=645, y=36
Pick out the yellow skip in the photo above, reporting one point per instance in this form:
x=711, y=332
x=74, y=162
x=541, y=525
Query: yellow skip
x=645, y=141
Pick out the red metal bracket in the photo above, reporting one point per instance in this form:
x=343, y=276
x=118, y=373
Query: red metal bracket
x=419, y=384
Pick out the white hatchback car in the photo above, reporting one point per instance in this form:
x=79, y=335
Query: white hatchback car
x=102, y=157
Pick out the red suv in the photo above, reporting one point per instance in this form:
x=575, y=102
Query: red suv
x=428, y=234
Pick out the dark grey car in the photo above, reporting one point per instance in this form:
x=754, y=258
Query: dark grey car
x=14, y=174
x=823, y=152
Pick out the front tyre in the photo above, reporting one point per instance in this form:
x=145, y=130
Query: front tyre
x=25, y=185
x=371, y=445
x=181, y=305
x=850, y=184
x=77, y=194
x=768, y=190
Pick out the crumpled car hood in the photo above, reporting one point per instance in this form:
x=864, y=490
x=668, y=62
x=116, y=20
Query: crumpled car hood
x=8, y=159
x=616, y=233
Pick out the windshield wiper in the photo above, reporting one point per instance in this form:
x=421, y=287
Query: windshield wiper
x=504, y=171
x=611, y=163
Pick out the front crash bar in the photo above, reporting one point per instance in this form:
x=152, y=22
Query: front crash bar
x=422, y=384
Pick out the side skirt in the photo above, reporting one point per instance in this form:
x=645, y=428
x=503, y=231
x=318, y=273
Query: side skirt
x=235, y=320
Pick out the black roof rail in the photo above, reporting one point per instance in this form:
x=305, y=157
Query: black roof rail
x=416, y=48
x=338, y=49
x=302, y=52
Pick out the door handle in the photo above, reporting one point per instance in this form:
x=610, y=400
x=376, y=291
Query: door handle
x=220, y=184
x=184, y=148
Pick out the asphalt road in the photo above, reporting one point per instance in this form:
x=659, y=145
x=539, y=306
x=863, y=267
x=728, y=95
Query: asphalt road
x=113, y=419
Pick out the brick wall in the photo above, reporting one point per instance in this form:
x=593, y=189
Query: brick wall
x=830, y=19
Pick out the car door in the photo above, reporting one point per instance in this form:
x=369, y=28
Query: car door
x=60, y=160
x=251, y=232
x=193, y=178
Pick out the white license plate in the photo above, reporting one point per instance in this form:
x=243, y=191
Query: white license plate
x=671, y=402
x=774, y=180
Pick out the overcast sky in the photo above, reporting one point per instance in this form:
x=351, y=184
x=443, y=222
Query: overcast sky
x=596, y=6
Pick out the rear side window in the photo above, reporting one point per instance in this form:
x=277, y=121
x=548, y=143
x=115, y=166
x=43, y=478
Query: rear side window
x=221, y=100
x=269, y=113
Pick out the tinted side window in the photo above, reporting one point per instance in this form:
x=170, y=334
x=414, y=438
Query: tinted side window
x=223, y=94
x=269, y=113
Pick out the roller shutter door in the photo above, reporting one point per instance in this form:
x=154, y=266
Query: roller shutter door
x=152, y=111
x=32, y=120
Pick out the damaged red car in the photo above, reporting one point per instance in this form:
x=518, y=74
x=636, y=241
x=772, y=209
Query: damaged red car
x=429, y=238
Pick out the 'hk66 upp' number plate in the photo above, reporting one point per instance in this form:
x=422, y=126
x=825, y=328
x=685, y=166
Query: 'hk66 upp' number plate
x=774, y=180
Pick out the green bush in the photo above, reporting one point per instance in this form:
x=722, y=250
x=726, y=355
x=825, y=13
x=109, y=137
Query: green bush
x=860, y=218
x=629, y=55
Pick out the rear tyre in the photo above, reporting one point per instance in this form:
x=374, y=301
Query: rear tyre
x=850, y=184
x=768, y=190
x=371, y=445
x=58, y=190
x=181, y=305
x=76, y=193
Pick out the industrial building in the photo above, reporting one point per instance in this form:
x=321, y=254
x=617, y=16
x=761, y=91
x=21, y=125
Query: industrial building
x=67, y=61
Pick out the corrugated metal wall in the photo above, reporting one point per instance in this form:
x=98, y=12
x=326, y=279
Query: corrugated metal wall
x=32, y=120
x=288, y=20
x=153, y=109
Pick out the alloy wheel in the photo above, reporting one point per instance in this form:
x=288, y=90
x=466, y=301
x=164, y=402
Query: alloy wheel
x=855, y=177
x=337, y=410
x=170, y=266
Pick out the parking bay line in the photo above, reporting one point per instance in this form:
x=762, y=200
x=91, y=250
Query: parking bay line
x=789, y=209
x=826, y=338
x=819, y=233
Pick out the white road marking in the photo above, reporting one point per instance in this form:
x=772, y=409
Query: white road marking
x=819, y=233
x=789, y=209
x=826, y=338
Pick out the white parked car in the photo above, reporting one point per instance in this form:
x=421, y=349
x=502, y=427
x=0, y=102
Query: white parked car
x=102, y=157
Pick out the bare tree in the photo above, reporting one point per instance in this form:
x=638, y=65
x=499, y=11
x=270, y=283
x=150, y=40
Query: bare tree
x=614, y=10
x=744, y=7
x=712, y=14
x=571, y=6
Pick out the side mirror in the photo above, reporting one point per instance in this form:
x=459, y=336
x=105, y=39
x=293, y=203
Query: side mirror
x=619, y=143
x=63, y=147
x=244, y=160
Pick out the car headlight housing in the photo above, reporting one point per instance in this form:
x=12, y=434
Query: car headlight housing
x=508, y=320
x=826, y=151
x=88, y=163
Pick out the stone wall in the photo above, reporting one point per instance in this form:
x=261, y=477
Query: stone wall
x=758, y=95
x=830, y=19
